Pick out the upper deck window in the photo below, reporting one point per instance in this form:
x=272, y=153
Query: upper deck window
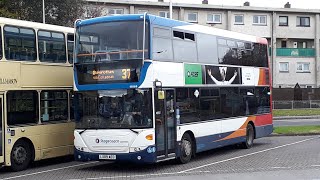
x=19, y=44
x=111, y=41
x=52, y=47
x=242, y=53
x=70, y=47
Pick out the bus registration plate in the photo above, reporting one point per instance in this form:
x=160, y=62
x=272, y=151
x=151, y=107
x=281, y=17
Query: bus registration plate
x=110, y=157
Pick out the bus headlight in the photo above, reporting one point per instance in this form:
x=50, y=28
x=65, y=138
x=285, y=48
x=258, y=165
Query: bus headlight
x=137, y=149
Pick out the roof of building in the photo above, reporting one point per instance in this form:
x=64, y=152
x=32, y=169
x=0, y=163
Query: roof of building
x=208, y=6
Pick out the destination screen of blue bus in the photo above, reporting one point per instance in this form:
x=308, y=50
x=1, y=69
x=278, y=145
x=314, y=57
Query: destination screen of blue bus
x=109, y=41
x=113, y=109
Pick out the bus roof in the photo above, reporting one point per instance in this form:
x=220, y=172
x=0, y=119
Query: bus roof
x=36, y=25
x=175, y=24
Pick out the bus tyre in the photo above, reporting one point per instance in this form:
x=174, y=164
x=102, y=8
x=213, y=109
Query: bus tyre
x=185, y=149
x=20, y=156
x=249, y=137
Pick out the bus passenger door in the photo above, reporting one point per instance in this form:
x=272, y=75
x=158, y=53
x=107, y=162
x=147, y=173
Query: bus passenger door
x=1, y=131
x=165, y=123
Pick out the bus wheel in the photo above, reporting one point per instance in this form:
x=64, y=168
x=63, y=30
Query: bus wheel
x=186, y=149
x=249, y=137
x=20, y=156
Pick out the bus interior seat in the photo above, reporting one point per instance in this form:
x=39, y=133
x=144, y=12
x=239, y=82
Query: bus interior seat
x=127, y=119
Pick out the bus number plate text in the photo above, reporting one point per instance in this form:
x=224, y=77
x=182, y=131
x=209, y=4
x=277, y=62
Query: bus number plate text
x=109, y=157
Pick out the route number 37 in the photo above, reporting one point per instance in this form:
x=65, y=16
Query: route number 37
x=125, y=73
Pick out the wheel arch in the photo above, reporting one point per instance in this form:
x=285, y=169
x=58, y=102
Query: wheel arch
x=254, y=128
x=29, y=142
x=194, y=141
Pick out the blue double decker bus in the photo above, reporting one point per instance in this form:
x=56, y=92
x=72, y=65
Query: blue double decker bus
x=150, y=89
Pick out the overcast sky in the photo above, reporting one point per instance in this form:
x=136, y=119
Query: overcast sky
x=306, y=4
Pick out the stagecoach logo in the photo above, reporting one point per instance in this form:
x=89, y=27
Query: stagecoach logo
x=109, y=141
x=8, y=81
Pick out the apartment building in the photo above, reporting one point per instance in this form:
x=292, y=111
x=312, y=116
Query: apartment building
x=293, y=34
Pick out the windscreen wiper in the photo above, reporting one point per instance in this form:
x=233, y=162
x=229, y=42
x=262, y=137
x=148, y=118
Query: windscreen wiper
x=83, y=131
x=137, y=132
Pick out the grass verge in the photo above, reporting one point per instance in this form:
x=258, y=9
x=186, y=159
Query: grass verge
x=295, y=112
x=296, y=130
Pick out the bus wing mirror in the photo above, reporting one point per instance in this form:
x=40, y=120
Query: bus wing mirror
x=160, y=95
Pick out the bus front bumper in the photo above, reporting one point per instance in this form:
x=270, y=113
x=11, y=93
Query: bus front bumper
x=145, y=156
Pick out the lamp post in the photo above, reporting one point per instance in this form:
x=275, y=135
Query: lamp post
x=170, y=9
x=43, y=13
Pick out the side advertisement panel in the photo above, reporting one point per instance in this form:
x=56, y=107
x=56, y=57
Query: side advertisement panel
x=224, y=75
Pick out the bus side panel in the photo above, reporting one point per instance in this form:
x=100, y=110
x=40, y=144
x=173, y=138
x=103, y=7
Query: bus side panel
x=51, y=76
x=263, y=125
x=29, y=132
x=49, y=140
x=56, y=139
x=205, y=133
x=232, y=131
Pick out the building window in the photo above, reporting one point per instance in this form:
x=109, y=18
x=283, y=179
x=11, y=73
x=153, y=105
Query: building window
x=283, y=44
x=303, y=21
x=283, y=20
x=164, y=14
x=301, y=44
x=193, y=17
x=284, y=67
x=142, y=11
x=238, y=19
x=260, y=20
x=214, y=18
x=115, y=11
x=303, y=67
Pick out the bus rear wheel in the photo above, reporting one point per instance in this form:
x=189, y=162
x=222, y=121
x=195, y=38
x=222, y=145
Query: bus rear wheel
x=249, y=137
x=20, y=156
x=185, y=149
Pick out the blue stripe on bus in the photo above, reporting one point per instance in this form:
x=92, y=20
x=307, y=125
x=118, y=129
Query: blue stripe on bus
x=160, y=21
x=263, y=131
x=129, y=17
x=90, y=87
x=211, y=142
x=156, y=20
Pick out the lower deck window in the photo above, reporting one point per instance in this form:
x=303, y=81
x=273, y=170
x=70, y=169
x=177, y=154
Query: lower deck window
x=22, y=107
x=201, y=104
x=54, y=105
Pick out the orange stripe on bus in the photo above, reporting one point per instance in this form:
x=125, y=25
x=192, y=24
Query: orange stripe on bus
x=241, y=131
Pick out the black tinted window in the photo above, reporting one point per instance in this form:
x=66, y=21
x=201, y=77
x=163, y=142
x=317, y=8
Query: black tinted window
x=22, y=107
x=242, y=53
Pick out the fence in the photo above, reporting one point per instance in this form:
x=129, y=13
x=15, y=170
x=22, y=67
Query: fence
x=296, y=104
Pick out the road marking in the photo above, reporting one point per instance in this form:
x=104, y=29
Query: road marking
x=238, y=157
x=280, y=167
x=143, y=175
x=315, y=165
x=40, y=172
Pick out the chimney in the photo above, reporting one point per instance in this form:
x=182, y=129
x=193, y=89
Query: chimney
x=204, y=1
x=247, y=3
x=288, y=5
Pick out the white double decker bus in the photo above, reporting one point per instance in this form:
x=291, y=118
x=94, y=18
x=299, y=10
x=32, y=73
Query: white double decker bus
x=151, y=89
